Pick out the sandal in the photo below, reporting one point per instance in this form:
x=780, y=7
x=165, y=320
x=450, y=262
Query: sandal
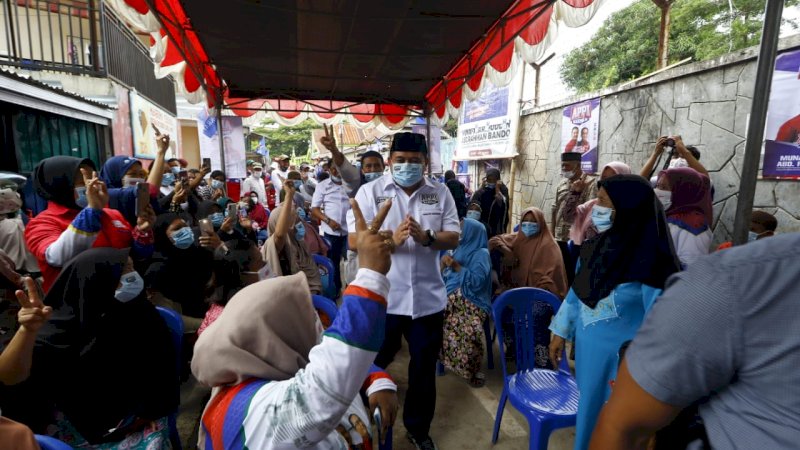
x=478, y=380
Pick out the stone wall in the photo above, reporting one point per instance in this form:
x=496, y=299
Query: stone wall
x=707, y=103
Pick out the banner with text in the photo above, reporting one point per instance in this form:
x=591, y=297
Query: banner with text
x=782, y=135
x=580, y=132
x=434, y=142
x=146, y=117
x=232, y=138
x=488, y=125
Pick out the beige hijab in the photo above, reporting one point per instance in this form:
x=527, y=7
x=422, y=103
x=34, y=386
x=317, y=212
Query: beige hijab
x=539, y=260
x=266, y=331
x=300, y=259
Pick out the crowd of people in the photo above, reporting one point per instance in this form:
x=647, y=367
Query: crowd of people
x=413, y=259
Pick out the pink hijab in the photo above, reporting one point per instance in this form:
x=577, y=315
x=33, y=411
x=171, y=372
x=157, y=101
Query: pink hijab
x=582, y=228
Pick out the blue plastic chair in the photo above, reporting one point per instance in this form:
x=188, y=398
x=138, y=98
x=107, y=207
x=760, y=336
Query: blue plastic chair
x=325, y=267
x=547, y=398
x=49, y=443
x=175, y=325
x=326, y=305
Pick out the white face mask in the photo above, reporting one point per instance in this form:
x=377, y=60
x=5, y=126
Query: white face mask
x=132, y=286
x=568, y=174
x=665, y=197
x=678, y=162
x=256, y=174
x=131, y=181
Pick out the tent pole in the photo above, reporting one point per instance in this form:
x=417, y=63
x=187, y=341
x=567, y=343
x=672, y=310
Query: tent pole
x=428, y=137
x=511, y=193
x=758, y=115
x=221, y=134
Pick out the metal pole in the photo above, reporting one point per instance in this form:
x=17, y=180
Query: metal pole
x=758, y=115
x=221, y=134
x=428, y=138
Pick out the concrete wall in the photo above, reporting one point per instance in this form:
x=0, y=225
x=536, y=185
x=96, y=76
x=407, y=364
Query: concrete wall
x=707, y=103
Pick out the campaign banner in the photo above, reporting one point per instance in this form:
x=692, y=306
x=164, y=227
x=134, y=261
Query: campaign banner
x=434, y=142
x=580, y=132
x=782, y=133
x=232, y=139
x=146, y=117
x=487, y=128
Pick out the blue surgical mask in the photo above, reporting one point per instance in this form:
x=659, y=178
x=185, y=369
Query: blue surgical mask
x=168, y=179
x=407, y=174
x=81, y=201
x=183, y=238
x=372, y=176
x=475, y=215
x=490, y=185
x=217, y=219
x=132, y=286
x=302, y=214
x=216, y=184
x=175, y=170
x=299, y=231
x=298, y=184
x=601, y=217
x=529, y=228
x=336, y=180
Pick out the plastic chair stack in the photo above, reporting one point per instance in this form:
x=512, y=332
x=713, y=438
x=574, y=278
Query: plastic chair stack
x=175, y=325
x=325, y=267
x=547, y=398
x=49, y=443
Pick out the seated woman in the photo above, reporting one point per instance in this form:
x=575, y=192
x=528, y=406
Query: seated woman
x=77, y=219
x=284, y=383
x=532, y=258
x=258, y=215
x=467, y=277
x=621, y=273
x=582, y=228
x=474, y=212
x=104, y=363
x=286, y=251
x=686, y=196
x=225, y=226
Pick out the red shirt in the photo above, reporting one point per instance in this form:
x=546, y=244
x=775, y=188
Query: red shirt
x=44, y=229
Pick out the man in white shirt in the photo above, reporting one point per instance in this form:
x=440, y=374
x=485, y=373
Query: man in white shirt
x=255, y=183
x=424, y=220
x=280, y=174
x=330, y=205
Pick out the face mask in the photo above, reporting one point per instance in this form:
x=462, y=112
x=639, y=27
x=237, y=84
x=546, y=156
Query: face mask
x=217, y=219
x=752, y=236
x=529, y=228
x=263, y=273
x=407, y=174
x=131, y=181
x=298, y=184
x=299, y=231
x=216, y=184
x=601, y=217
x=256, y=174
x=372, y=176
x=474, y=215
x=665, y=197
x=167, y=179
x=254, y=200
x=301, y=214
x=175, y=170
x=336, y=180
x=81, y=201
x=183, y=238
x=132, y=286
x=678, y=162
x=568, y=174
x=490, y=185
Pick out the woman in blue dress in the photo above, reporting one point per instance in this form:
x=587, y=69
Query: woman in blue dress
x=621, y=273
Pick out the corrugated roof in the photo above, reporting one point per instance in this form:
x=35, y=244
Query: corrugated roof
x=58, y=90
x=347, y=136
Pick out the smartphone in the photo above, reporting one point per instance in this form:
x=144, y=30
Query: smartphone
x=142, y=197
x=206, y=227
x=207, y=163
x=233, y=209
x=183, y=175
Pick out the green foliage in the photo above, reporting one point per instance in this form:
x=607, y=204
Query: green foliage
x=285, y=140
x=626, y=46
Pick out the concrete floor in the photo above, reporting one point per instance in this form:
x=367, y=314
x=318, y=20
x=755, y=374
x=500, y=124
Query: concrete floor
x=464, y=415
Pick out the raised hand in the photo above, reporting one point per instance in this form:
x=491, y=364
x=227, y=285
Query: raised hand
x=660, y=144
x=145, y=221
x=162, y=141
x=96, y=191
x=228, y=223
x=374, y=248
x=329, y=141
x=32, y=314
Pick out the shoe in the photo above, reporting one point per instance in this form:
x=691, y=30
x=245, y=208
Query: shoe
x=425, y=443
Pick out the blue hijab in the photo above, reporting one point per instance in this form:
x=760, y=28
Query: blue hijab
x=123, y=199
x=114, y=169
x=472, y=254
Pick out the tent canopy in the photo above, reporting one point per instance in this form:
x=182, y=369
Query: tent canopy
x=365, y=58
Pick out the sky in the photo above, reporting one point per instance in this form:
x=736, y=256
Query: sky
x=571, y=38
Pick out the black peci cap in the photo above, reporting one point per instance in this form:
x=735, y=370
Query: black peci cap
x=570, y=156
x=409, y=142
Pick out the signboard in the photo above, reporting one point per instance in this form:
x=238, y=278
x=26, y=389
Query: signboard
x=580, y=132
x=434, y=152
x=145, y=118
x=488, y=125
x=782, y=135
x=232, y=138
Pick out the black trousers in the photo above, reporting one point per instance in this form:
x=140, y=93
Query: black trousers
x=424, y=338
x=335, y=255
x=569, y=261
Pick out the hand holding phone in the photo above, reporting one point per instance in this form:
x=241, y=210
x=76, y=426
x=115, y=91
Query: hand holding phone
x=207, y=163
x=142, y=197
x=206, y=227
x=233, y=209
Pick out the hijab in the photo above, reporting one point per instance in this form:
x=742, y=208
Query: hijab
x=582, y=227
x=256, y=211
x=54, y=179
x=473, y=256
x=539, y=260
x=115, y=169
x=300, y=259
x=207, y=207
x=691, y=197
x=266, y=331
x=637, y=247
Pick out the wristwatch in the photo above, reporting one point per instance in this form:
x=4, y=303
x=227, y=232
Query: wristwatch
x=431, y=238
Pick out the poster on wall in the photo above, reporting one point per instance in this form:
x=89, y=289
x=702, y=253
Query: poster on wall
x=782, y=135
x=580, y=132
x=145, y=118
x=487, y=128
x=434, y=142
x=232, y=138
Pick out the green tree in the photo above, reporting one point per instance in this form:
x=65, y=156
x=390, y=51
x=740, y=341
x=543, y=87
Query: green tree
x=285, y=140
x=626, y=46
